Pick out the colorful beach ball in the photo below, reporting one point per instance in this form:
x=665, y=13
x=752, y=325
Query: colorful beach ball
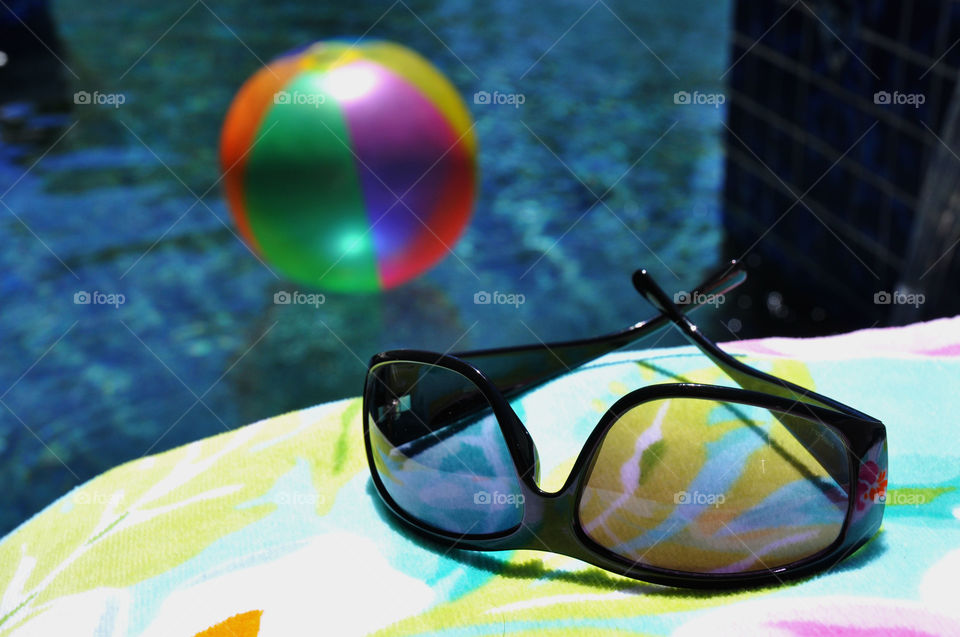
x=349, y=168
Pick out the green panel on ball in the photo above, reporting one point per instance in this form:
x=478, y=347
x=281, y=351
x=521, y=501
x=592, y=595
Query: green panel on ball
x=303, y=193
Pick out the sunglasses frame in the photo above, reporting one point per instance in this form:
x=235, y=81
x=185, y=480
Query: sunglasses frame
x=551, y=521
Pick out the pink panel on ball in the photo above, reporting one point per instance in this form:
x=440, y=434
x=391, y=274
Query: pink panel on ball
x=405, y=150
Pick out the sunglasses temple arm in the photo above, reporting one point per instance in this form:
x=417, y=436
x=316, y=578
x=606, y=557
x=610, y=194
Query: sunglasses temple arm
x=515, y=370
x=744, y=375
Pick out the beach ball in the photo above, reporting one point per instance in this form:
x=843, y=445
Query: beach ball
x=349, y=167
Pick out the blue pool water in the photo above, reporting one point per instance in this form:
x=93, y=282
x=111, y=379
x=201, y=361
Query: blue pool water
x=103, y=199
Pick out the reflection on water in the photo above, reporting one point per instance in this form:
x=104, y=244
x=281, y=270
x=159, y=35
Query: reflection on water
x=596, y=173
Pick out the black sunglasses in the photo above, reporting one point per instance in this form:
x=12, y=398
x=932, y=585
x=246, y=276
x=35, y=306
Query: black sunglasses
x=679, y=483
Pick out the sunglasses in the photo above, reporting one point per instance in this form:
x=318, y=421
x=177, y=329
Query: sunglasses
x=681, y=484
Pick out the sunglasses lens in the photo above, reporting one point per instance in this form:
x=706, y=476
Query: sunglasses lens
x=439, y=451
x=700, y=486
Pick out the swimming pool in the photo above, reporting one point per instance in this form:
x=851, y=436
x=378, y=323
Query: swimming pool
x=597, y=173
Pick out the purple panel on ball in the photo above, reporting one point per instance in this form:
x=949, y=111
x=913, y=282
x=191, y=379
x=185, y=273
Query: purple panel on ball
x=398, y=135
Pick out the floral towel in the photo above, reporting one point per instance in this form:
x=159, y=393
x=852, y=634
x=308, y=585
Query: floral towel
x=274, y=529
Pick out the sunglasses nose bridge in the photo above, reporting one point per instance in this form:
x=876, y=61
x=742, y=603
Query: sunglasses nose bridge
x=549, y=523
